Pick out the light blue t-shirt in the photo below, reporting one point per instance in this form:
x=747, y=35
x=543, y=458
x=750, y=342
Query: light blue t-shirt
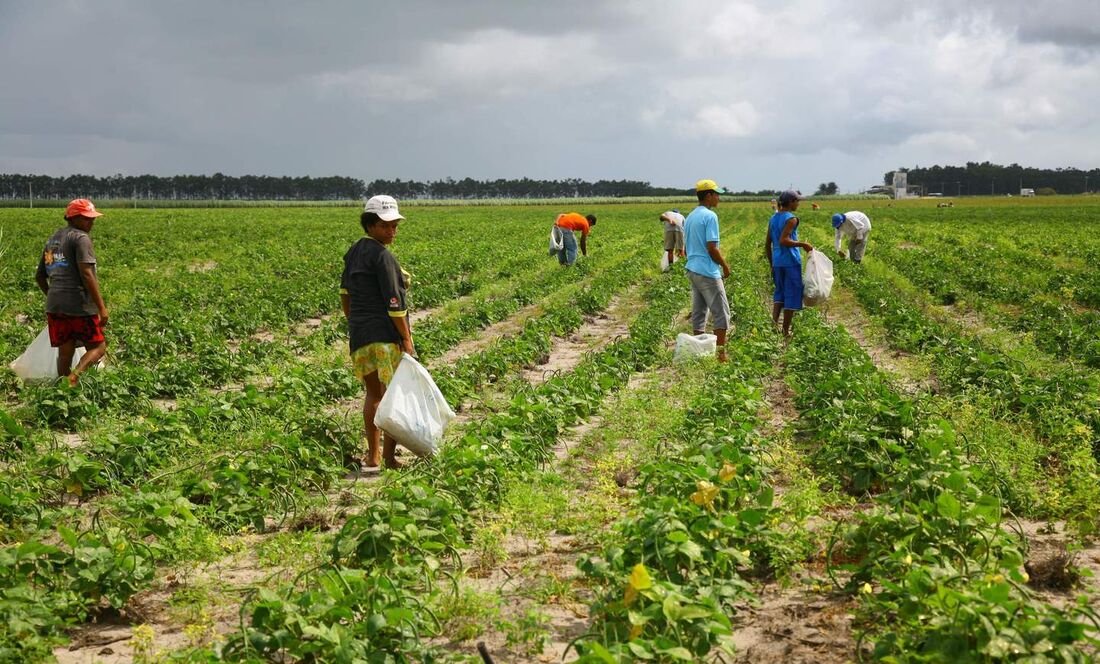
x=701, y=227
x=783, y=256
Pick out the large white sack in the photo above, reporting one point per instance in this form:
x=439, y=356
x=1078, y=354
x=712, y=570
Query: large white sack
x=413, y=410
x=664, y=261
x=817, y=279
x=688, y=346
x=39, y=361
x=557, y=240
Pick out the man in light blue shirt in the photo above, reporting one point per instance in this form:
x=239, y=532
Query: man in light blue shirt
x=706, y=268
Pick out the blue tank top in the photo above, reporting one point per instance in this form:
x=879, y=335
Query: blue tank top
x=783, y=256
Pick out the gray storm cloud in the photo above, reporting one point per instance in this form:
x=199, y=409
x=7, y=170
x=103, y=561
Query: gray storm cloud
x=757, y=94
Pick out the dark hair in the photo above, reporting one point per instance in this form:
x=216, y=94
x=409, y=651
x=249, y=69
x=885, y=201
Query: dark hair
x=703, y=194
x=591, y=219
x=368, y=219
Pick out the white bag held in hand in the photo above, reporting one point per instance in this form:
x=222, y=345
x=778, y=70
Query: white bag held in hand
x=557, y=240
x=688, y=346
x=413, y=409
x=817, y=281
x=664, y=261
x=39, y=361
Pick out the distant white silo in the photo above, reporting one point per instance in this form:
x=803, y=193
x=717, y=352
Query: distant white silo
x=901, y=184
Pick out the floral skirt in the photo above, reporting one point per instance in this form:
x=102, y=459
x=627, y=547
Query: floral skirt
x=382, y=357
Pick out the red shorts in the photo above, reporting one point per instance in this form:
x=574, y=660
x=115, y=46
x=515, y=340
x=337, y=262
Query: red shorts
x=84, y=330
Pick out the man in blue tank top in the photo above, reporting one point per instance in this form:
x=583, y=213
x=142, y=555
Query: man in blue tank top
x=781, y=248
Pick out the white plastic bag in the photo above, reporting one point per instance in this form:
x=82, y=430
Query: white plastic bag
x=688, y=346
x=817, y=279
x=39, y=361
x=557, y=240
x=664, y=261
x=413, y=410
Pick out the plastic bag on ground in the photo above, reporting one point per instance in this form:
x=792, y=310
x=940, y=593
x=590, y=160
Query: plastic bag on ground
x=817, y=279
x=557, y=240
x=664, y=261
x=688, y=346
x=39, y=361
x=413, y=410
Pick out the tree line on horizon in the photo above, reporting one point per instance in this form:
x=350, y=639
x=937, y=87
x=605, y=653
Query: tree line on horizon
x=985, y=178
x=263, y=187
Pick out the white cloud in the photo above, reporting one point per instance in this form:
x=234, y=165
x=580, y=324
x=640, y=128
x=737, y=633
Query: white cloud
x=948, y=142
x=735, y=120
x=494, y=62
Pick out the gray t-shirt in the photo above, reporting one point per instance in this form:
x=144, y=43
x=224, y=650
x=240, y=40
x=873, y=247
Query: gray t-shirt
x=65, y=251
x=674, y=221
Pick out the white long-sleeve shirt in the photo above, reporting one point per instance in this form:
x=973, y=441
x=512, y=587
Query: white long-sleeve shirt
x=856, y=226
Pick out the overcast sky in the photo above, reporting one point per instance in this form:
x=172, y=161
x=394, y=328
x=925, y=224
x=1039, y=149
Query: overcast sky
x=755, y=94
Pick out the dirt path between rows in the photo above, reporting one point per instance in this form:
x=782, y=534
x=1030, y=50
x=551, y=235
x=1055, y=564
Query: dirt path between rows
x=843, y=309
x=488, y=335
x=551, y=560
x=597, y=331
x=230, y=579
x=790, y=623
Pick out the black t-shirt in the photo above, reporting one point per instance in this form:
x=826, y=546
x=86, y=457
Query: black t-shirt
x=60, y=264
x=373, y=281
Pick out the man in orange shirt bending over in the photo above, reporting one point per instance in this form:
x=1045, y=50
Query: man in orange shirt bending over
x=568, y=224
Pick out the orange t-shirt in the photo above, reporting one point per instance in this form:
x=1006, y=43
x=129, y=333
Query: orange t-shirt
x=573, y=222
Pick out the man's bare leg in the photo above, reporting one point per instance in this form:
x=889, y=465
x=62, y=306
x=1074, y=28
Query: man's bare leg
x=65, y=354
x=92, y=357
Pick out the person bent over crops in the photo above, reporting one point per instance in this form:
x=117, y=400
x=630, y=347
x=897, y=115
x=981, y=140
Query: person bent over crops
x=372, y=293
x=856, y=227
x=75, y=310
x=565, y=227
x=674, y=234
x=781, y=248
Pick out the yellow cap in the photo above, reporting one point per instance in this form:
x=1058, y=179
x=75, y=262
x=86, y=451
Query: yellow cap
x=708, y=185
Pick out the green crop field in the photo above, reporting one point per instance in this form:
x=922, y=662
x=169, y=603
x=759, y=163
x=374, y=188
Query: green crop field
x=914, y=477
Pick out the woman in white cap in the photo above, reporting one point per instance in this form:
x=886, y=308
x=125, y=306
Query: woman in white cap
x=372, y=293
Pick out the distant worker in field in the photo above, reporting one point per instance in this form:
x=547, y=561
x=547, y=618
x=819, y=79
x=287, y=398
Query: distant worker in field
x=567, y=226
x=674, y=234
x=706, y=268
x=75, y=310
x=373, y=296
x=782, y=249
x=856, y=227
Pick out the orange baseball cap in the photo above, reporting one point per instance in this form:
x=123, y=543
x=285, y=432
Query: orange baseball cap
x=81, y=207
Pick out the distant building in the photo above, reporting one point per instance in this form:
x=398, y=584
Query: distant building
x=1027, y=192
x=901, y=184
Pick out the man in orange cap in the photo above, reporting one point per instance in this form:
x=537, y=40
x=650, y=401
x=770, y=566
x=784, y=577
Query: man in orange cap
x=75, y=311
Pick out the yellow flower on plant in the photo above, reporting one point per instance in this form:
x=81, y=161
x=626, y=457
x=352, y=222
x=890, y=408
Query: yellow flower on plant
x=866, y=589
x=705, y=493
x=728, y=472
x=639, y=580
x=1026, y=577
x=908, y=560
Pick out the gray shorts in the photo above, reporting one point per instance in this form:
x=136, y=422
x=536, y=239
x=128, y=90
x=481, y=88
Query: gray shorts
x=674, y=241
x=856, y=249
x=708, y=294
